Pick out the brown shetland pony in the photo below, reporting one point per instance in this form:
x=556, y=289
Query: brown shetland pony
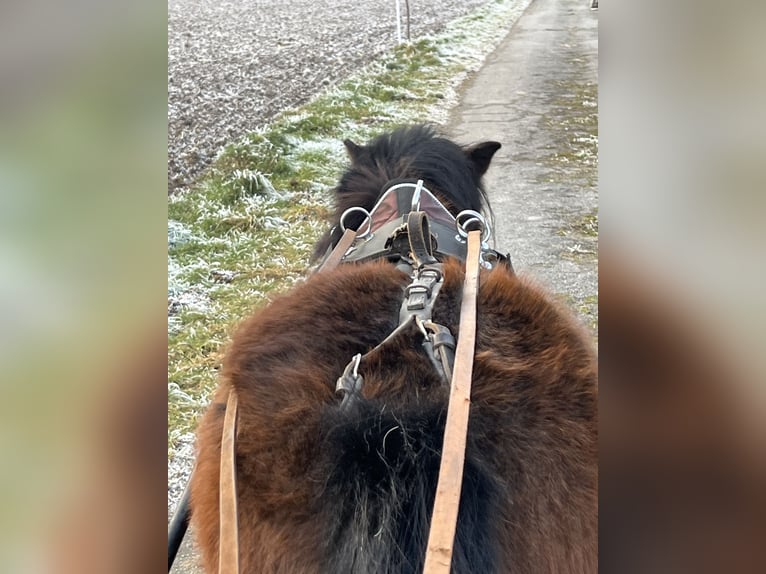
x=325, y=490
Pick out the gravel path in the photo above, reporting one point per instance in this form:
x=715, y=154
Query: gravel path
x=234, y=64
x=538, y=95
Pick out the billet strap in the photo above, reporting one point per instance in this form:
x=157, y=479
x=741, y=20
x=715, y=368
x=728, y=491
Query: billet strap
x=420, y=295
x=419, y=233
x=337, y=254
x=444, y=346
x=228, y=537
x=441, y=537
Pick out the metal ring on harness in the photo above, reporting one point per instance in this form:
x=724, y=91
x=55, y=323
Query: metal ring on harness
x=367, y=218
x=467, y=219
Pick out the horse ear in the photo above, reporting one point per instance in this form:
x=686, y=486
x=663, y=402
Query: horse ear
x=481, y=154
x=354, y=150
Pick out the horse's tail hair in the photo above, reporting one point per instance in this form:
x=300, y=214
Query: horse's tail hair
x=383, y=468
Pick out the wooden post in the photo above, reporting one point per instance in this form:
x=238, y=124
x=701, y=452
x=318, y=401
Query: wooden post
x=398, y=23
x=407, y=6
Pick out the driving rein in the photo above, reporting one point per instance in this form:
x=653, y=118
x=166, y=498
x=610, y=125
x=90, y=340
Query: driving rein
x=410, y=228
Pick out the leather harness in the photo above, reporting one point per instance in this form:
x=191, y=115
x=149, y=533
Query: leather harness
x=412, y=229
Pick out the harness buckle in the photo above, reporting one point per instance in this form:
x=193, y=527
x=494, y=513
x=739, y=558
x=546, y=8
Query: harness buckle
x=418, y=288
x=350, y=382
x=439, y=345
x=421, y=293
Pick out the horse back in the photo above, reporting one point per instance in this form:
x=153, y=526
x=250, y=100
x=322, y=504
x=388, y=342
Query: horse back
x=326, y=489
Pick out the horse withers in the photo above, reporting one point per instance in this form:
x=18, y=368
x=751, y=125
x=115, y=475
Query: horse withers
x=331, y=485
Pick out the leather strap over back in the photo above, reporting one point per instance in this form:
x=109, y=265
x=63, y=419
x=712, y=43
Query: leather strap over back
x=228, y=538
x=419, y=233
x=444, y=519
x=345, y=241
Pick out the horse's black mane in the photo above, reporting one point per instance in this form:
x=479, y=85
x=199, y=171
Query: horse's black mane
x=411, y=152
x=414, y=152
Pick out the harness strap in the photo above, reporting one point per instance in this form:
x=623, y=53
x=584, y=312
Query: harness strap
x=349, y=385
x=420, y=295
x=444, y=345
x=228, y=536
x=419, y=233
x=441, y=538
x=350, y=382
x=332, y=261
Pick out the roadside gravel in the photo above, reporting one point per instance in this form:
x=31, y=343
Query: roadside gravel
x=234, y=64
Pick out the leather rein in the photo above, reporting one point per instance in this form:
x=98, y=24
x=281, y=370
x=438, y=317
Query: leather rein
x=411, y=228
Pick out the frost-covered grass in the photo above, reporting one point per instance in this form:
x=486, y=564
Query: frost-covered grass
x=247, y=230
